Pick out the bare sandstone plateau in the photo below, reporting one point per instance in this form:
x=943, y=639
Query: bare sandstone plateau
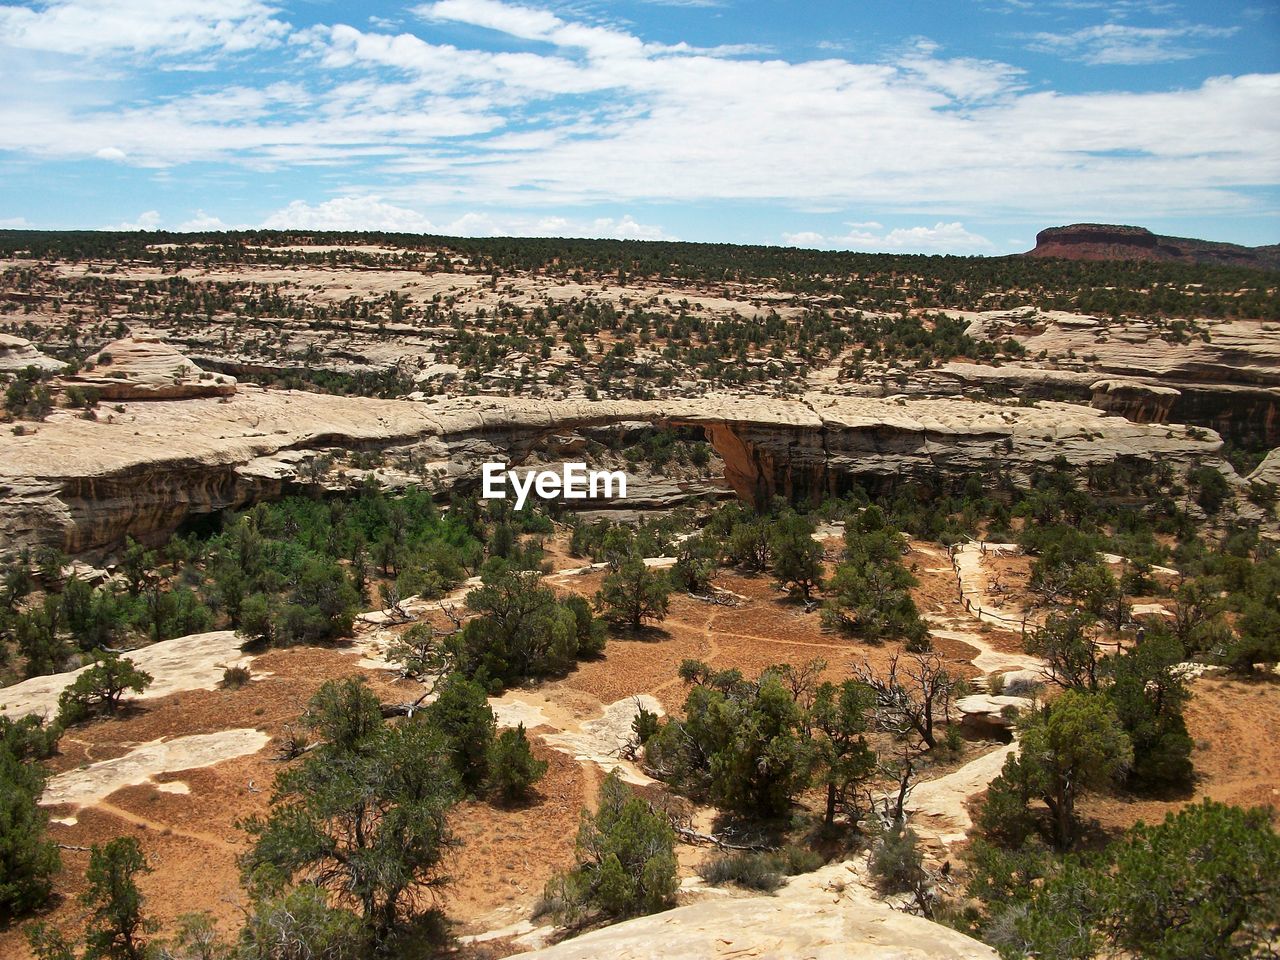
x=824, y=915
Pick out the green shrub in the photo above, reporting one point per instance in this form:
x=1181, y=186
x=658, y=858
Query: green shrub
x=100, y=689
x=28, y=860
x=897, y=865
x=513, y=769
x=462, y=713
x=763, y=871
x=233, y=678
x=626, y=861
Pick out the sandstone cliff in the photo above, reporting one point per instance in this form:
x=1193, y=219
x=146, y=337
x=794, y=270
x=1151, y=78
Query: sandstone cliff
x=84, y=485
x=17, y=354
x=1225, y=373
x=146, y=368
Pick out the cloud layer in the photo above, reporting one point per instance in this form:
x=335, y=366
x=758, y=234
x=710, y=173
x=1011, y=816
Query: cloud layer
x=527, y=113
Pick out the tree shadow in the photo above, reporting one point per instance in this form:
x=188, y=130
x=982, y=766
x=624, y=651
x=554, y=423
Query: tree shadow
x=645, y=634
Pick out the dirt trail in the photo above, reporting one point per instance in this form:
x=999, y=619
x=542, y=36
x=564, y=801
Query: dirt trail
x=129, y=816
x=989, y=658
x=939, y=808
x=982, y=601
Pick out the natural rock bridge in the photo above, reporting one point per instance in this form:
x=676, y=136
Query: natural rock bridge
x=84, y=485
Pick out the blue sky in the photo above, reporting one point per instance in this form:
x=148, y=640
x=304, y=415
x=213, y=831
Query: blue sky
x=956, y=126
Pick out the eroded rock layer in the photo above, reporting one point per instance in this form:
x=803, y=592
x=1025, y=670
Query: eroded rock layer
x=140, y=471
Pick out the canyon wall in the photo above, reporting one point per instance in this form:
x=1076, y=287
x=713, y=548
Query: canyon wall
x=84, y=486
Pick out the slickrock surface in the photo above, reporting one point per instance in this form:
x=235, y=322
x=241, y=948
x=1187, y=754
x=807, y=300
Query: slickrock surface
x=85, y=786
x=18, y=354
x=818, y=916
x=147, y=368
x=193, y=662
x=1225, y=374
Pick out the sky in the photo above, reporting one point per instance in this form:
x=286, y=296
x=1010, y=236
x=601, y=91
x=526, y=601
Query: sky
x=920, y=126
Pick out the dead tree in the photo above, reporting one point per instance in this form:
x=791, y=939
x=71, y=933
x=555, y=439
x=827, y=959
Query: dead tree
x=911, y=697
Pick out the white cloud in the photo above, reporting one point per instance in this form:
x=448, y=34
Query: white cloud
x=1121, y=44
x=202, y=222
x=150, y=220
x=374, y=213
x=940, y=238
x=577, y=115
x=518, y=21
x=160, y=27
x=348, y=213
x=13, y=223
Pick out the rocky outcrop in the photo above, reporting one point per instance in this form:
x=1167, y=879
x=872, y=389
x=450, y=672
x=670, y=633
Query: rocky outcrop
x=984, y=713
x=84, y=485
x=17, y=354
x=1268, y=471
x=1100, y=241
x=146, y=368
x=821, y=916
x=1139, y=402
x=1226, y=372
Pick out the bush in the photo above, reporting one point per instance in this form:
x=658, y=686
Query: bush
x=28, y=860
x=1200, y=884
x=365, y=815
x=513, y=769
x=763, y=871
x=754, y=871
x=117, y=927
x=521, y=630
x=29, y=737
x=301, y=925
x=462, y=713
x=869, y=595
x=634, y=593
x=897, y=865
x=645, y=724
x=626, y=861
x=233, y=678
x=729, y=725
x=696, y=562
x=99, y=689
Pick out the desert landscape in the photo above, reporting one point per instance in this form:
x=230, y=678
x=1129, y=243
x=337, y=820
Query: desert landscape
x=877, y=544
x=639, y=479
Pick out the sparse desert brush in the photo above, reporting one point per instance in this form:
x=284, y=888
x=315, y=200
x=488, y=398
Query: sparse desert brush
x=233, y=678
x=294, y=742
x=764, y=870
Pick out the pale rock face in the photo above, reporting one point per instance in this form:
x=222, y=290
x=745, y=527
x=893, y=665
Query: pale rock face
x=1227, y=374
x=84, y=485
x=1268, y=471
x=17, y=354
x=821, y=916
x=147, y=368
x=984, y=712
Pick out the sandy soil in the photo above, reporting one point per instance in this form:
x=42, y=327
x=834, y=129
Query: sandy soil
x=1235, y=725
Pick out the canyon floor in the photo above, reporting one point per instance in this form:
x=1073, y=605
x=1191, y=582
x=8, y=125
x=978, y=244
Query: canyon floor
x=187, y=762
